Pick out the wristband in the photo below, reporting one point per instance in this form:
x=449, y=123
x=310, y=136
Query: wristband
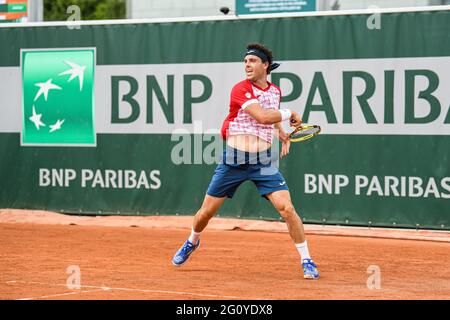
x=285, y=114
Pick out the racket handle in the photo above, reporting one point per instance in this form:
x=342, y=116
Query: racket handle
x=292, y=121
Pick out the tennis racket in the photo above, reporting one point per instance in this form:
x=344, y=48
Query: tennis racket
x=303, y=133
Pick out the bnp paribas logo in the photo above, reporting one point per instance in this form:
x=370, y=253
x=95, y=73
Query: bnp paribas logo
x=58, y=97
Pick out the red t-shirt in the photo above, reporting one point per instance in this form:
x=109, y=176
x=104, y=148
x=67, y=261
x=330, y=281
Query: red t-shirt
x=242, y=95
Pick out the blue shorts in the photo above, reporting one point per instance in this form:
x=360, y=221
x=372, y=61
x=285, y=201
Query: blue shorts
x=238, y=166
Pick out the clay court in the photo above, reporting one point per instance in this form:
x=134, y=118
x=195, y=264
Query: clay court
x=130, y=258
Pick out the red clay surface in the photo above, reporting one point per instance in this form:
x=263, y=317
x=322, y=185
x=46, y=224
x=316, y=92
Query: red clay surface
x=135, y=263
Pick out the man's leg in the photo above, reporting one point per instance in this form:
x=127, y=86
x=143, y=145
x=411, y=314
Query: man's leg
x=209, y=207
x=225, y=181
x=282, y=202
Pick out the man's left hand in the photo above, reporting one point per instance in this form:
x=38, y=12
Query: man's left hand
x=285, y=146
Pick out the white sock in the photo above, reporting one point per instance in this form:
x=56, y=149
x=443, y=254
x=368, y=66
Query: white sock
x=194, y=237
x=303, y=250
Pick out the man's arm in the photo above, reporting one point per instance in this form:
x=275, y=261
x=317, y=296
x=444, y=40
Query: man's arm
x=280, y=133
x=284, y=138
x=270, y=116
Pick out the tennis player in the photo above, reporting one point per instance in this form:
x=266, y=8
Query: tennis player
x=249, y=128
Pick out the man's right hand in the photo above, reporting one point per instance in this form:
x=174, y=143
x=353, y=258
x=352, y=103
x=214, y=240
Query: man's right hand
x=295, y=120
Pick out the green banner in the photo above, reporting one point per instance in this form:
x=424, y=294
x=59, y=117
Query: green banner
x=17, y=7
x=96, y=121
x=244, y=7
x=13, y=7
x=61, y=112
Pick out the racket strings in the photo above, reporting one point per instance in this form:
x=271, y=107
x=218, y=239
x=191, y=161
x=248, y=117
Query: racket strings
x=306, y=132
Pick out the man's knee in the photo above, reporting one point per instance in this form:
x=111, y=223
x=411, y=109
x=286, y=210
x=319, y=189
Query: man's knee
x=287, y=211
x=205, y=212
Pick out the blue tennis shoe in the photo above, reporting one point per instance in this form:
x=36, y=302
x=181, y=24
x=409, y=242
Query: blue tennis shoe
x=310, y=269
x=184, y=252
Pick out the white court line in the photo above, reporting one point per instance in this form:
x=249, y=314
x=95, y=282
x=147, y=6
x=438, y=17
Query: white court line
x=60, y=294
x=138, y=290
